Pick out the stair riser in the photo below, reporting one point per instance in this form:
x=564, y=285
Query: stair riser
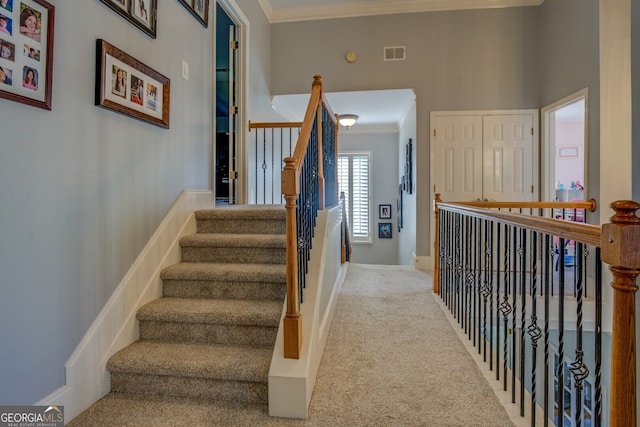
x=194, y=333
x=234, y=255
x=239, y=226
x=200, y=388
x=224, y=290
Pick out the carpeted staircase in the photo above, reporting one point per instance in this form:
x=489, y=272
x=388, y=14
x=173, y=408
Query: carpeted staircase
x=211, y=335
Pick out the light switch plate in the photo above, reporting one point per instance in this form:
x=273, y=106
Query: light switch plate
x=185, y=70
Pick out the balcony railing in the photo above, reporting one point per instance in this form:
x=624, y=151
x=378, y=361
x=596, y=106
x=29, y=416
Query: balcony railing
x=309, y=183
x=521, y=297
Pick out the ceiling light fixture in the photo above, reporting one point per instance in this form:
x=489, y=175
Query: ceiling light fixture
x=347, y=120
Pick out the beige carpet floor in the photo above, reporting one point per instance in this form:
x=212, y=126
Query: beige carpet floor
x=392, y=359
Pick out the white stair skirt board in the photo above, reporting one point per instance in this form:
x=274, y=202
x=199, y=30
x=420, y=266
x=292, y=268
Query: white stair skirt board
x=87, y=379
x=291, y=381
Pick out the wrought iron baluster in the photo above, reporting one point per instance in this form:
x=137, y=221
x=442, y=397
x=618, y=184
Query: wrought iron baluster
x=560, y=367
x=497, y=291
x=478, y=284
x=523, y=308
x=534, y=329
x=597, y=412
x=514, y=294
x=548, y=271
x=505, y=308
x=578, y=368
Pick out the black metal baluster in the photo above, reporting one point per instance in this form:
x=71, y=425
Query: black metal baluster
x=485, y=286
x=578, y=368
x=497, y=291
x=470, y=278
x=548, y=271
x=560, y=368
x=505, y=308
x=476, y=285
x=534, y=329
x=523, y=308
x=514, y=294
x=597, y=414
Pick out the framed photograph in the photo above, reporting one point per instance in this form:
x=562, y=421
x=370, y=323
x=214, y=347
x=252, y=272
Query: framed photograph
x=26, y=51
x=399, y=207
x=384, y=211
x=199, y=9
x=408, y=167
x=384, y=230
x=567, y=151
x=127, y=86
x=141, y=13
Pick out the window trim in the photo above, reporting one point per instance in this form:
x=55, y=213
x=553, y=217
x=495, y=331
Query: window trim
x=369, y=238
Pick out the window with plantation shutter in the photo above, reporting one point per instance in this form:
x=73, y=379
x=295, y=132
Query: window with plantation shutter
x=354, y=172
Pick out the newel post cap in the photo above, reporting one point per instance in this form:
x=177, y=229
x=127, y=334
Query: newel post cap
x=620, y=239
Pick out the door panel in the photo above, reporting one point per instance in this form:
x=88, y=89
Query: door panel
x=458, y=163
x=508, y=158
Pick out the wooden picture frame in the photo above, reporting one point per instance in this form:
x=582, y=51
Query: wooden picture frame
x=385, y=231
x=127, y=86
x=141, y=13
x=26, y=52
x=199, y=9
x=384, y=211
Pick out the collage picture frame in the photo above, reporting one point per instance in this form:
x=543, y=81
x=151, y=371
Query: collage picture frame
x=127, y=86
x=26, y=52
x=199, y=9
x=141, y=13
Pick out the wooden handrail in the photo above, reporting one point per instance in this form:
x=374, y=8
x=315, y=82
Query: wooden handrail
x=291, y=186
x=270, y=125
x=619, y=242
x=583, y=233
x=568, y=230
x=589, y=205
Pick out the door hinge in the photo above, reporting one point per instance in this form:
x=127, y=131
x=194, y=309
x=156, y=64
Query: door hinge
x=232, y=174
x=434, y=132
x=531, y=131
x=532, y=189
x=233, y=109
x=233, y=44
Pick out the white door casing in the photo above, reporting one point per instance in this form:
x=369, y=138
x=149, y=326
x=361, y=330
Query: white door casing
x=485, y=154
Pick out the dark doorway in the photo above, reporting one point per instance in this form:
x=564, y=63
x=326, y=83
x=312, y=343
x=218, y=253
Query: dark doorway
x=226, y=48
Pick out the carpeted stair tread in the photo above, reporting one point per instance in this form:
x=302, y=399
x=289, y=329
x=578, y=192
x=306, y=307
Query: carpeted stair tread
x=265, y=212
x=220, y=362
x=234, y=240
x=212, y=311
x=226, y=272
x=119, y=409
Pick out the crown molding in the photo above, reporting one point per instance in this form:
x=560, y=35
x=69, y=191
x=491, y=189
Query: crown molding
x=382, y=7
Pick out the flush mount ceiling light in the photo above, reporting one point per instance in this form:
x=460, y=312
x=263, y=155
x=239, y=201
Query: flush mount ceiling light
x=347, y=120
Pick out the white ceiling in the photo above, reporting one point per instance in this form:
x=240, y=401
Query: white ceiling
x=304, y=10
x=378, y=111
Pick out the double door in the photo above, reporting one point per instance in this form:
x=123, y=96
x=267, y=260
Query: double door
x=489, y=156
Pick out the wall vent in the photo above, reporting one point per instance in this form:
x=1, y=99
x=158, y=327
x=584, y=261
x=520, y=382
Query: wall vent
x=395, y=53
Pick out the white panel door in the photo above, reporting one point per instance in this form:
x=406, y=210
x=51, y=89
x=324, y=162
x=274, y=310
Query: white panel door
x=458, y=158
x=508, y=158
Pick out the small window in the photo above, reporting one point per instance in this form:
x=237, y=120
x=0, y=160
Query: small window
x=354, y=172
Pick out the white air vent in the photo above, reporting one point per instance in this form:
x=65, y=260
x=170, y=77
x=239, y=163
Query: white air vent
x=394, y=53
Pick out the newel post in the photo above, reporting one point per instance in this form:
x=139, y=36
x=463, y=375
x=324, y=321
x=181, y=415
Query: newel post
x=620, y=241
x=436, y=246
x=292, y=323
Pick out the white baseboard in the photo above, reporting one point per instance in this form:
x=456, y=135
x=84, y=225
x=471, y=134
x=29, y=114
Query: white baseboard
x=291, y=381
x=87, y=379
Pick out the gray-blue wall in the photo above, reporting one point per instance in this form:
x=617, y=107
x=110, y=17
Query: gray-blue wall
x=82, y=188
x=459, y=60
